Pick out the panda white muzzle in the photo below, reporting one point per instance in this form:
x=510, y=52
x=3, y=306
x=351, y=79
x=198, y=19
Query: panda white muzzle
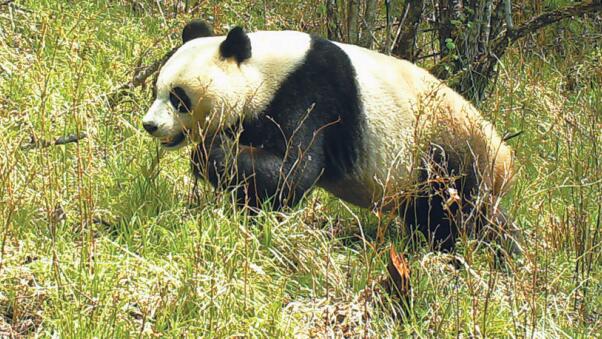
x=161, y=123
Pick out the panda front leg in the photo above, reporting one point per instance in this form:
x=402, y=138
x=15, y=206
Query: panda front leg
x=257, y=176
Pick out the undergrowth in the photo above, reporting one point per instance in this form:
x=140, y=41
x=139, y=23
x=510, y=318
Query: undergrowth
x=102, y=237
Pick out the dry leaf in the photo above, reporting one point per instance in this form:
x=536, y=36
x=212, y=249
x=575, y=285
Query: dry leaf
x=397, y=284
x=399, y=275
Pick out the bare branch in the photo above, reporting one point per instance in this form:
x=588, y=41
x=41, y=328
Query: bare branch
x=138, y=79
x=551, y=17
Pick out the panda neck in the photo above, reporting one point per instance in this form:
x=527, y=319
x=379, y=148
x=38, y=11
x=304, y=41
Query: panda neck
x=262, y=83
x=275, y=56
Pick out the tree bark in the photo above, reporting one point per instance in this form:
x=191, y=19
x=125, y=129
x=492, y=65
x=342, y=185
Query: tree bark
x=368, y=24
x=404, y=45
x=332, y=20
x=352, y=20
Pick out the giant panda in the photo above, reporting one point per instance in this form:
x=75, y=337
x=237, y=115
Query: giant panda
x=273, y=114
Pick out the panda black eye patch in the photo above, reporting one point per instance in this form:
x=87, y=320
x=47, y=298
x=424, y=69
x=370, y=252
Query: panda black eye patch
x=179, y=100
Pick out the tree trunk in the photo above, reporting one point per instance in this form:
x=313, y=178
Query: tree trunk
x=332, y=20
x=366, y=39
x=352, y=21
x=476, y=70
x=404, y=45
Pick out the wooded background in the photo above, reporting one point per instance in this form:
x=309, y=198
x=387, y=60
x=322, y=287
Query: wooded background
x=463, y=39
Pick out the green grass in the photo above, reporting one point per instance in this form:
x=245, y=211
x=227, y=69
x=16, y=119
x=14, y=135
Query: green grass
x=100, y=238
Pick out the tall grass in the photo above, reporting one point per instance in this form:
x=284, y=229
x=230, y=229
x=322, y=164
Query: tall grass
x=100, y=238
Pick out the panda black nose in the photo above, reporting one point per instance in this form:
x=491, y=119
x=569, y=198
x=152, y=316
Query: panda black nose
x=150, y=127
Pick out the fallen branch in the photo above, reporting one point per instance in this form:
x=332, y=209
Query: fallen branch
x=102, y=222
x=139, y=78
x=41, y=143
x=509, y=135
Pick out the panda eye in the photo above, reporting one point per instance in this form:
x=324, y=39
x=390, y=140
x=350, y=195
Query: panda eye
x=179, y=100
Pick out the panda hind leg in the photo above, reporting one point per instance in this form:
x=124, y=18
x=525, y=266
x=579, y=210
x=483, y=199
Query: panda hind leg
x=446, y=205
x=423, y=214
x=427, y=208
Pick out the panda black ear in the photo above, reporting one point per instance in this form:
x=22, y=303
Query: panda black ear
x=196, y=29
x=237, y=45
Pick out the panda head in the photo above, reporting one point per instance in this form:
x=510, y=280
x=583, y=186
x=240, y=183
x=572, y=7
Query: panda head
x=201, y=88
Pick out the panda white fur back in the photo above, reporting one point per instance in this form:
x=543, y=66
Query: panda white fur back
x=396, y=94
x=369, y=128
